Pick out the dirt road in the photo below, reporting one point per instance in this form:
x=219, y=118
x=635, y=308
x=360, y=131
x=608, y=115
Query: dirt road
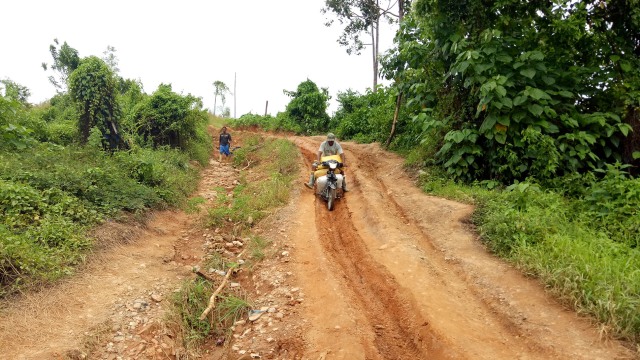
x=404, y=277
x=391, y=273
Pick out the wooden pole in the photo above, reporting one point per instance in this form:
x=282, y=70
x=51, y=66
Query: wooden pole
x=235, y=95
x=266, y=107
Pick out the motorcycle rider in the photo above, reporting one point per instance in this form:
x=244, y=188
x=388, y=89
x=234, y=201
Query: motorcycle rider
x=328, y=148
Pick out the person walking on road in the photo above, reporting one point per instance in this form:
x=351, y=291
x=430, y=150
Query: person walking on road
x=225, y=143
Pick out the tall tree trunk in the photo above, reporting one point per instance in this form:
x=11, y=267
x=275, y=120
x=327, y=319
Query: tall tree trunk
x=375, y=57
x=215, y=100
x=376, y=62
x=400, y=10
x=396, y=113
x=631, y=143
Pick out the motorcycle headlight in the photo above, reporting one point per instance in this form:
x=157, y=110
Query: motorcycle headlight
x=333, y=166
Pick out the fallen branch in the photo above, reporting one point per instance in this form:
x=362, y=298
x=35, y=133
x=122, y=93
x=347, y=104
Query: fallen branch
x=246, y=167
x=205, y=276
x=212, y=299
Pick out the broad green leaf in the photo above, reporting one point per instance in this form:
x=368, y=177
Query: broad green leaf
x=636, y=155
x=565, y=93
x=501, y=137
x=479, y=68
x=504, y=58
x=550, y=112
x=488, y=123
x=463, y=66
x=538, y=94
x=458, y=136
x=489, y=50
x=504, y=120
x=535, y=109
x=625, y=66
x=536, y=55
x=519, y=100
x=548, y=80
x=470, y=159
x=624, y=128
x=529, y=72
x=501, y=90
x=507, y=102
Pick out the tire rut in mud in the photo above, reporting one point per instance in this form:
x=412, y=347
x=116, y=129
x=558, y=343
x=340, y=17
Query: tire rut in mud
x=400, y=332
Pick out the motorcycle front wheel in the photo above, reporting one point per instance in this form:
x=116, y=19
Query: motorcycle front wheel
x=331, y=197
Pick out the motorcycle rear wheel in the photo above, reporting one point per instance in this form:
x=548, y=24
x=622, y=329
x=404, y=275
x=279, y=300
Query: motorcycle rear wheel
x=331, y=197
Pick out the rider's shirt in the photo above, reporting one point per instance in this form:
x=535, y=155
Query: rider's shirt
x=328, y=150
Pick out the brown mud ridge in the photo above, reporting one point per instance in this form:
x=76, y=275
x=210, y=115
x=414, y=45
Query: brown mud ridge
x=391, y=273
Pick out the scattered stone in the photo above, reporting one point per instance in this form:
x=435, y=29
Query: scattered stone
x=285, y=253
x=234, y=285
x=255, y=314
x=156, y=297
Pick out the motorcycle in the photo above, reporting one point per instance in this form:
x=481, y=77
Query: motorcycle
x=329, y=184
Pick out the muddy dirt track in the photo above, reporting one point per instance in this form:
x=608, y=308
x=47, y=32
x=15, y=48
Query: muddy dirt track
x=406, y=278
x=391, y=273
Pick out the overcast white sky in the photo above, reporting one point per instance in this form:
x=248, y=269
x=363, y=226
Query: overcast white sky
x=271, y=45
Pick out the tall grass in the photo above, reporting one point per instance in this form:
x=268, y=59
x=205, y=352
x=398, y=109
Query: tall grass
x=562, y=241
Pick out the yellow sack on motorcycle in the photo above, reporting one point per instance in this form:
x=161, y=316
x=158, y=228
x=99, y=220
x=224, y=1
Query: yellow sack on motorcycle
x=322, y=170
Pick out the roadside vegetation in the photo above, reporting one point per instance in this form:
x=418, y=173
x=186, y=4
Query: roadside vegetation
x=100, y=149
x=268, y=168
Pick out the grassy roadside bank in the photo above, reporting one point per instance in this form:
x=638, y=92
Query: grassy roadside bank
x=586, y=256
x=51, y=196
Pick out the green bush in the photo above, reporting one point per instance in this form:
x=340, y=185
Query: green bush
x=308, y=108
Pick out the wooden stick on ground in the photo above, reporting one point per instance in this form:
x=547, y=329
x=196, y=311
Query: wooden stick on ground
x=205, y=276
x=212, y=299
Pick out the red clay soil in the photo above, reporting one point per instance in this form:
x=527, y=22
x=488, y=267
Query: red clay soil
x=391, y=273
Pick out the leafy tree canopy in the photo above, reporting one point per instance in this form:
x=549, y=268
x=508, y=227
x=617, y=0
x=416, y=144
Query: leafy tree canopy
x=65, y=61
x=308, y=107
x=513, y=89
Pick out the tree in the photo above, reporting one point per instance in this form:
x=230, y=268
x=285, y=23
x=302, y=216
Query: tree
x=93, y=87
x=510, y=89
x=308, y=107
x=221, y=90
x=168, y=118
x=15, y=91
x=65, y=61
x=111, y=59
x=363, y=16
